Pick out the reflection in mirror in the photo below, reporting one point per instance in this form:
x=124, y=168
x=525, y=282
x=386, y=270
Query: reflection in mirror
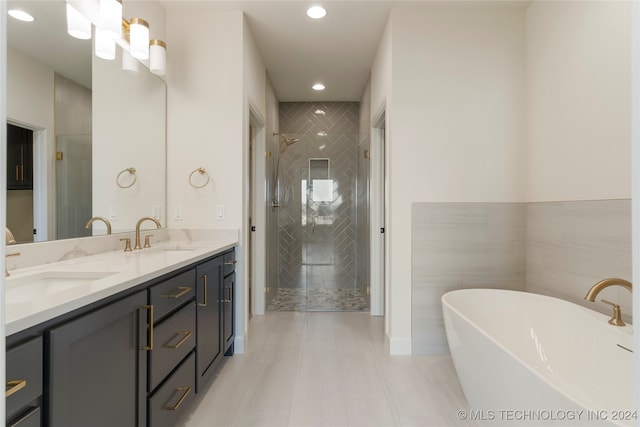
x=89, y=119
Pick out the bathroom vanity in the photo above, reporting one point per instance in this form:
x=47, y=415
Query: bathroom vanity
x=123, y=339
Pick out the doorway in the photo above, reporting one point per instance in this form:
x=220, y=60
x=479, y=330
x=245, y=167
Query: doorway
x=317, y=206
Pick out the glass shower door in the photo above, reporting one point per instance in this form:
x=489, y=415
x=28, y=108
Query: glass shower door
x=316, y=200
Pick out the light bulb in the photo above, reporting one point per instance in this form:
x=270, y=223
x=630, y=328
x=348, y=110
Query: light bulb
x=78, y=25
x=139, y=38
x=158, y=57
x=110, y=18
x=105, y=46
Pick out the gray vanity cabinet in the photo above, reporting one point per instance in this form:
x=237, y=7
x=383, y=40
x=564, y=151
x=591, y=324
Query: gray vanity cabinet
x=228, y=292
x=97, y=367
x=209, y=353
x=227, y=310
x=24, y=372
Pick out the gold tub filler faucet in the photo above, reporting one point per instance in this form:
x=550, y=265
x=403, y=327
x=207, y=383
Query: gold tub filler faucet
x=616, y=318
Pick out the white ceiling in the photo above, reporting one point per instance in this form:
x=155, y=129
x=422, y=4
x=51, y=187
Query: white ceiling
x=337, y=50
x=47, y=40
x=297, y=51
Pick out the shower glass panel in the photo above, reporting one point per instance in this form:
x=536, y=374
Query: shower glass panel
x=313, y=215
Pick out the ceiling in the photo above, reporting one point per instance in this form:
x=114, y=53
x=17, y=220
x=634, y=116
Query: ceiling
x=298, y=51
x=46, y=39
x=337, y=50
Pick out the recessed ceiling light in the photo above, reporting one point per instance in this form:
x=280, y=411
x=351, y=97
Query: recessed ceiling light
x=318, y=86
x=20, y=15
x=316, y=12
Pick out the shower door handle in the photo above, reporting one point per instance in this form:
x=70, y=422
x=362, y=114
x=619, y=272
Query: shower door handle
x=314, y=215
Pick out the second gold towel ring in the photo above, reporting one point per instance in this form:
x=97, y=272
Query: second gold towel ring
x=132, y=171
x=201, y=171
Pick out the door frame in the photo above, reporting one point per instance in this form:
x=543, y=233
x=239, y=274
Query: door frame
x=377, y=259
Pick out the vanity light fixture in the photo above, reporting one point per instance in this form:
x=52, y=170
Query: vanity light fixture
x=129, y=63
x=139, y=38
x=77, y=25
x=318, y=86
x=105, y=46
x=316, y=12
x=158, y=57
x=110, y=18
x=20, y=15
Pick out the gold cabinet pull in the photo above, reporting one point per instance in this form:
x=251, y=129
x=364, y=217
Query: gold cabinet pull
x=15, y=386
x=22, y=173
x=183, y=290
x=186, y=391
x=231, y=262
x=185, y=336
x=204, y=278
x=17, y=172
x=149, y=345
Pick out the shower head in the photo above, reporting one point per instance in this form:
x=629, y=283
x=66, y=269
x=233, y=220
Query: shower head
x=285, y=139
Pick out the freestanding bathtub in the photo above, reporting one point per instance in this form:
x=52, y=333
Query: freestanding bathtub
x=529, y=359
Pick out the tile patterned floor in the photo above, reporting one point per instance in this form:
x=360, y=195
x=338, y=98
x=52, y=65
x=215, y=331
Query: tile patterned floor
x=295, y=299
x=327, y=370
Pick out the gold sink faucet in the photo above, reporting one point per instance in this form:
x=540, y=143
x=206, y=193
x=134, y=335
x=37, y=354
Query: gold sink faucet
x=616, y=319
x=140, y=221
x=99, y=218
x=9, y=239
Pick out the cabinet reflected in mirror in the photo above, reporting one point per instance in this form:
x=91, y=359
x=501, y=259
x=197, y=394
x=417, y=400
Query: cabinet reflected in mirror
x=90, y=119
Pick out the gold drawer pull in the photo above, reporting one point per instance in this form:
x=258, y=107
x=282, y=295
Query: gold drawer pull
x=186, y=336
x=204, y=279
x=186, y=391
x=16, y=385
x=183, y=291
x=150, y=329
x=232, y=262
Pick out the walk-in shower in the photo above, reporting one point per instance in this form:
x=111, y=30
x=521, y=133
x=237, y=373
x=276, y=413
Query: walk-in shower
x=317, y=220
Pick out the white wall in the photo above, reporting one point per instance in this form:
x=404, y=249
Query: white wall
x=254, y=113
x=128, y=131
x=379, y=105
x=215, y=77
x=455, y=123
x=578, y=100
x=30, y=103
x=205, y=116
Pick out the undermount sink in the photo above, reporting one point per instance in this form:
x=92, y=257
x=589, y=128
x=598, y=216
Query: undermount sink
x=46, y=283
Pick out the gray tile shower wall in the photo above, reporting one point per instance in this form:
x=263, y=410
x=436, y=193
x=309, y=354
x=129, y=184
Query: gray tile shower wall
x=318, y=241
x=553, y=248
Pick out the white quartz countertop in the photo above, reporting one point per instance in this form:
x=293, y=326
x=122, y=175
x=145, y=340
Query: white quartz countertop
x=40, y=293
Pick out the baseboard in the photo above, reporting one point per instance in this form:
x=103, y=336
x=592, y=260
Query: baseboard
x=399, y=346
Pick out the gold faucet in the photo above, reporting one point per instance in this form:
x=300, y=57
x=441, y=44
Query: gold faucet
x=616, y=319
x=99, y=218
x=9, y=239
x=140, y=221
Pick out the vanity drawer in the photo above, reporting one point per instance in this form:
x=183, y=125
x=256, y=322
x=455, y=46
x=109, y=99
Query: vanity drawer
x=174, y=397
x=24, y=375
x=173, y=339
x=32, y=418
x=229, y=263
x=173, y=292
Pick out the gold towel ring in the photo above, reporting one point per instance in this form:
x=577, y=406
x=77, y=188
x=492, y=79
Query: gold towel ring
x=201, y=171
x=131, y=171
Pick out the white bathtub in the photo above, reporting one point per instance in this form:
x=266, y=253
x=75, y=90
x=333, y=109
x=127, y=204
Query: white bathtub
x=529, y=359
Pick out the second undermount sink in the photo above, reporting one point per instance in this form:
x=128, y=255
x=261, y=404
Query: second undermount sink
x=46, y=283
